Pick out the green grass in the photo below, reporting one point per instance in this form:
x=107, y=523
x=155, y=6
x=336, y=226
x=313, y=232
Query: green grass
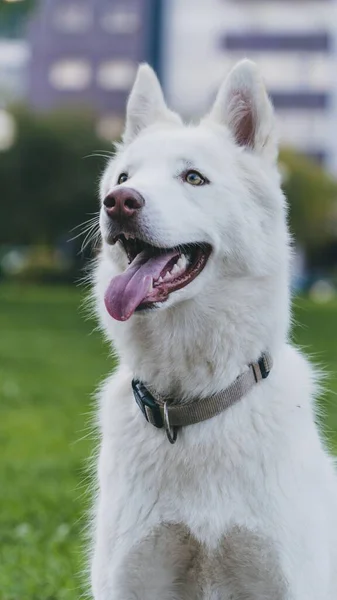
x=50, y=362
x=315, y=332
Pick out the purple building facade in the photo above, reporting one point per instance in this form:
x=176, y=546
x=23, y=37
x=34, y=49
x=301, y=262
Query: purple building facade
x=85, y=53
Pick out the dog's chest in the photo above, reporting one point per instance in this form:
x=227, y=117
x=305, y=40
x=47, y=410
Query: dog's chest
x=218, y=478
x=200, y=481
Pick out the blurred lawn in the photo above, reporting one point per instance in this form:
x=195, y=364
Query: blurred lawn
x=50, y=362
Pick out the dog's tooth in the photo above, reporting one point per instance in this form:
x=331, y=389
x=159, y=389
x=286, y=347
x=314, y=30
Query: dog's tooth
x=160, y=280
x=167, y=276
x=175, y=269
x=183, y=261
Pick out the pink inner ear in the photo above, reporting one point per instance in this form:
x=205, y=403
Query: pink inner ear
x=242, y=119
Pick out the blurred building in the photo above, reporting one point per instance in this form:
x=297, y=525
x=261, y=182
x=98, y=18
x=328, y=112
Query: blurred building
x=294, y=43
x=85, y=53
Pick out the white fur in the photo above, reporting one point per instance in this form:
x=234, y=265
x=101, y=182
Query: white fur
x=260, y=465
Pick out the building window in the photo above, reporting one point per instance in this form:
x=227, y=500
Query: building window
x=110, y=127
x=116, y=74
x=120, y=20
x=250, y=41
x=299, y=100
x=73, y=18
x=70, y=74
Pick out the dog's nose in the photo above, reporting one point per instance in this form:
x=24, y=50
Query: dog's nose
x=123, y=203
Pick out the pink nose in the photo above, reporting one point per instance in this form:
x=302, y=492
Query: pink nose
x=123, y=203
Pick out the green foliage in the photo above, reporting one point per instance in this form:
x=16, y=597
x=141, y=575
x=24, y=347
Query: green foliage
x=13, y=15
x=51, y=360
x=16, y=7
x=48, y=186
x=312, y=198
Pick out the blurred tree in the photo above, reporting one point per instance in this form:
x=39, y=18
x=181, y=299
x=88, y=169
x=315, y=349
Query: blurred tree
x=13, y=15
x=312, y=199
x=47, y=185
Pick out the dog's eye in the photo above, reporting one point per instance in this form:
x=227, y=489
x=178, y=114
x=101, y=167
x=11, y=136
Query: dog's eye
x=194, y=178
x=122, y=178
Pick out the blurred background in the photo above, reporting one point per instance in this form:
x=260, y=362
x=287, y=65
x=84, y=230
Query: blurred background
x=66, y=67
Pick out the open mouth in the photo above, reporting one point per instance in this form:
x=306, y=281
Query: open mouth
x=152, y=275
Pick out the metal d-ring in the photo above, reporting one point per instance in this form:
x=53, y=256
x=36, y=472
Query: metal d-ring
x=170, y=432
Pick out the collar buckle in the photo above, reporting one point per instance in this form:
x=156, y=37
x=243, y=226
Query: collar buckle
x=147, y=404
x=262, y=368
x=171, y=432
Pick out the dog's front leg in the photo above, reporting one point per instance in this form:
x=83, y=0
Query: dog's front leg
x=164, y=565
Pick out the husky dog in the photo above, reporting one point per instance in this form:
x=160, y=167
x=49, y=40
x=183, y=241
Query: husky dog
x=192, y=288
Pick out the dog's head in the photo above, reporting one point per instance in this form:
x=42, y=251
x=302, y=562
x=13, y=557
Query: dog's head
x=186, y=206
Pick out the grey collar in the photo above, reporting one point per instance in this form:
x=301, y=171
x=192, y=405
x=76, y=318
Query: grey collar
x=161, y=413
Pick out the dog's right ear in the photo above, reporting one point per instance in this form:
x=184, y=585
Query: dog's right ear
x=243, y=106
x=146, y=105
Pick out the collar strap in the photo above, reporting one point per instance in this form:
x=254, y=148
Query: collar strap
x=162, y=414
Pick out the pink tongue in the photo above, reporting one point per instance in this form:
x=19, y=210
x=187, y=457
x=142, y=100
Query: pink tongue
x=129, y=290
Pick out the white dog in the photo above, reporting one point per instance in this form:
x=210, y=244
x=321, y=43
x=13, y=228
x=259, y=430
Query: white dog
x=192, y=287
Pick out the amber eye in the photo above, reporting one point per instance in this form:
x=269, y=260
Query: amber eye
x=122, y=178
x=194, y=178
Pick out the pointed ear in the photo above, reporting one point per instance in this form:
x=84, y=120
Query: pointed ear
x=146, y=104
x=242, y=104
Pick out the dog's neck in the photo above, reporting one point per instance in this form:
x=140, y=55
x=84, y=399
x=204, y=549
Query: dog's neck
x=194, y=349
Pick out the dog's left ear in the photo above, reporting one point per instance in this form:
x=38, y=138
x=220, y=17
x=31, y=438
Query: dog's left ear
x=242, y=104
x=146, y=105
